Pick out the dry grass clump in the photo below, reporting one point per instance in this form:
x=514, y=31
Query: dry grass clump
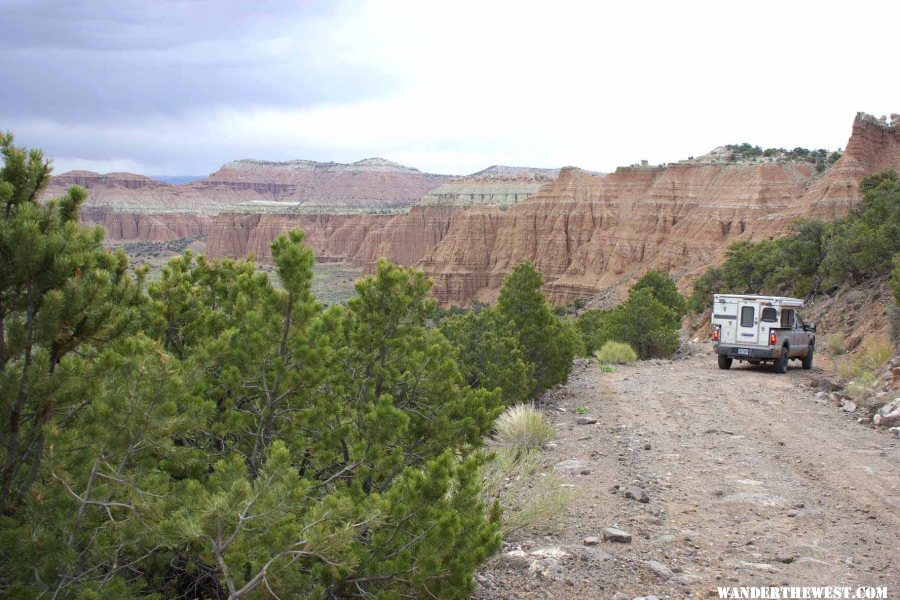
x=860, y=370
x=528, y=494
x=522, y=427
x=835, y=343
x=616, y=353
x=515, y=477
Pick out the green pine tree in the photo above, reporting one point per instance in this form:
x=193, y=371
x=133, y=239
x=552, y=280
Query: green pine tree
x=220, y=436
x=489, y=355
x=664, y=290
x=549, y=344
x=60, y=293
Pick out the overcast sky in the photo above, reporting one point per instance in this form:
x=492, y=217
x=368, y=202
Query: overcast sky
x=179, y=88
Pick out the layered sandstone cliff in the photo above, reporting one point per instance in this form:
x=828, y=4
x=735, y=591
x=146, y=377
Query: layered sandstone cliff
x=133, y=207
x=497, y=185
x=370, y=184
x=403, y=238
x=588, y=233
x=874, y=145
x=126, y=226
x=333, y=237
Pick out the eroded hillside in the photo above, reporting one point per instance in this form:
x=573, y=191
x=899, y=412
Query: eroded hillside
x=586, y=232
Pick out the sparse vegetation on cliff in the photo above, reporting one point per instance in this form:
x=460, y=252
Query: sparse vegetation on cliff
x=894, y=311
x=816, y=256
x=822, y=158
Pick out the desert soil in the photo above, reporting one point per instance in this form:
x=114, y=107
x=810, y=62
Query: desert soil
x=751, y=481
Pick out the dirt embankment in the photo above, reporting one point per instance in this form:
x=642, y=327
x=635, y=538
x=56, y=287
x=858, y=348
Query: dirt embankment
x=749, y=480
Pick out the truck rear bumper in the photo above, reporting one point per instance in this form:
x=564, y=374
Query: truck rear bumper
x=745, y=352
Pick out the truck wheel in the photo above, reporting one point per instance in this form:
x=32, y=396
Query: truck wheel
x=781, y=364
x=724, y=361
x=807, y=360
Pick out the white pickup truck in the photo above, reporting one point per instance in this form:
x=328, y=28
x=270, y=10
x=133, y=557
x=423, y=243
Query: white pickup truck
x=761, y=329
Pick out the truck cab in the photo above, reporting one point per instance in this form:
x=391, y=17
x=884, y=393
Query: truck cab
x=761, y=329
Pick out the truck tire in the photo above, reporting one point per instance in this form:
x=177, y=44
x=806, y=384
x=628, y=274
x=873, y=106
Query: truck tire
x=781, y=363
x=807, y=360
x=724, y=361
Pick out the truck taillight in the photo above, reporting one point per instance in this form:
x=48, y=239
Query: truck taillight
x=716, y=334
x=772, y=340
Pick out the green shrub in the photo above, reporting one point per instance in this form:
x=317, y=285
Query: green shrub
x=592, y=325
x=549, y=342
x=862, y=245
x=642, y=322
x=815, y=255
x=616, y=353
x=861, y=368
x=835, y=343
x=522, y=427
x=489, y=354
x=664, y=290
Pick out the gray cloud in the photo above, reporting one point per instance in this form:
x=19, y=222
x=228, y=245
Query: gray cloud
x=109, y=60
x=180, y=87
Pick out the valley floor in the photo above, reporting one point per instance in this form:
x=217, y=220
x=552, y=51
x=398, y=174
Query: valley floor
x=751, y=481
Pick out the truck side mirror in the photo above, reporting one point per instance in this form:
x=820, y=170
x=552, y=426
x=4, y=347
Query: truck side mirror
x=811, y=326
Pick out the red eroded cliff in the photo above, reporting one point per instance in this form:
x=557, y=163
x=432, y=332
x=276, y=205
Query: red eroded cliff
x=333, y=238
x=156, y=227
x=402, y=238
x=406, y=237
x=874, y=145
x=134, y=207
x=586, y=233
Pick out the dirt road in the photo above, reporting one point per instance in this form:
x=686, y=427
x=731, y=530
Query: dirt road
x=750, y=480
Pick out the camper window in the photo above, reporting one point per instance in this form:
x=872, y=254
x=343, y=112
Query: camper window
x=769, y=315
x=787, y=318
x=747, y=316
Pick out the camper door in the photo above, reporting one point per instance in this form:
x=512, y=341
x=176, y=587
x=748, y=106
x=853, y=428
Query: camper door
x=748, y=323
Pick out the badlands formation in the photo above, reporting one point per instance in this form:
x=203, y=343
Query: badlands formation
x=586, y=232
x=137, y=208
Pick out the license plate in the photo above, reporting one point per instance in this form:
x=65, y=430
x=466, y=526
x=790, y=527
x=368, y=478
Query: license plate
x=743, y=351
